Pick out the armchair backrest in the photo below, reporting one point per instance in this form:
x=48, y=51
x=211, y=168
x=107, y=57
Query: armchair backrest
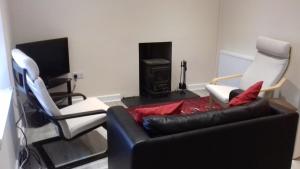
x=270, y=63
x=34, y=82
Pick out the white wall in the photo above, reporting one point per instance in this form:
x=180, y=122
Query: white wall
x=9, y=147
x=243, y=21
x=104, y=37
x=3, y=58
x=5, y=44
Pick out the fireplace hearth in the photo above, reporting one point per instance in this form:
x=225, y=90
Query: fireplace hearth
x=155, y=60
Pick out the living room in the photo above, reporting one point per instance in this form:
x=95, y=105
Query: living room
x=214, y=37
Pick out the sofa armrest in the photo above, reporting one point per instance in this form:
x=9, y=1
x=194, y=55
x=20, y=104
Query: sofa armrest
x=281, y=110
x=123, y=135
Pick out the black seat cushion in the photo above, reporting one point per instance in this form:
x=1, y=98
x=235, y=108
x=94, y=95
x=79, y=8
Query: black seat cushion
x=235, y=93
x=165, y=125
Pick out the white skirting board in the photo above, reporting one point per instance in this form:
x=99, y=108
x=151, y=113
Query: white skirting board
x=196, y=87
x=104, y=98
x=110, y=98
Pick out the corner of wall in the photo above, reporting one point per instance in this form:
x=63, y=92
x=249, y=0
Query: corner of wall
x=219, y=36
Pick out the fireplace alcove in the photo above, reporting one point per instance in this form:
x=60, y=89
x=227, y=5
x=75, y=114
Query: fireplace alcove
x=155, y=60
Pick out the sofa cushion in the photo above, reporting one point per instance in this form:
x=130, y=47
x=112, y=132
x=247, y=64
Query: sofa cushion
x=168, y=109
x=165, y=125
x=247, y=96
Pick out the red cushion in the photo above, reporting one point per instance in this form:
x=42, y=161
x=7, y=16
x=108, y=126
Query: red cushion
x=247, y=96
x=173, y=108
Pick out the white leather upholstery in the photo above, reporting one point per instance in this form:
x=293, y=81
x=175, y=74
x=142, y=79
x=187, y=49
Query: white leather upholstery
x=70, y=127
x=272, y=47
x=40, y=91
x=269, y=66
x=27, y=63
x=220, y=92
x=264, y=68
x=89, y=104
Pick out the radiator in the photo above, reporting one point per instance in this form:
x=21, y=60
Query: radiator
x=233, y=63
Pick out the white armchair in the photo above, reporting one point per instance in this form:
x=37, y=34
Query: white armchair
x=270, y=64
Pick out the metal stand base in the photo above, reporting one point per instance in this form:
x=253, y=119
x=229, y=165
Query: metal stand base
x=58, y=154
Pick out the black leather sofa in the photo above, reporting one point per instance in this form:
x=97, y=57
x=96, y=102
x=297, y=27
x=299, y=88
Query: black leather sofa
x=254, y=136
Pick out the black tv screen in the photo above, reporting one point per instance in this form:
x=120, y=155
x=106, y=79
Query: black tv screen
x=51, y=56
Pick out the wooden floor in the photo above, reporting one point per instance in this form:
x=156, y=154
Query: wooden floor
x=296, y=164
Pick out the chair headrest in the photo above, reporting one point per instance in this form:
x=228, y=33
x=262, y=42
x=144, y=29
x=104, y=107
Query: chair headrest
x=272, y=47
x=25, y=62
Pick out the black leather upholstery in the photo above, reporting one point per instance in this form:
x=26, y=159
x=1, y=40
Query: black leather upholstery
x=164, y=125
x=235, y=93
x=259, y=143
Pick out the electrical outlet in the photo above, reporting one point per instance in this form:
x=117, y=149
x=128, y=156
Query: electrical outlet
x=78, y=75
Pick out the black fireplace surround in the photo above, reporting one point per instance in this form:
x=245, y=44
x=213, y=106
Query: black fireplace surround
x=155, y=60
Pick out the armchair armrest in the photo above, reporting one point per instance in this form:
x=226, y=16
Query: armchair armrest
x=215, y=80
x=58, y=95
x=273, y=88
x=81, y=114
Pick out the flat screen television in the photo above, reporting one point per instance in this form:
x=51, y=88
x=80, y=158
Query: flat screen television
x=51, y=56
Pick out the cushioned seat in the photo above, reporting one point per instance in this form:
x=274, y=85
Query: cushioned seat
x=220, y=92
x=78, y=125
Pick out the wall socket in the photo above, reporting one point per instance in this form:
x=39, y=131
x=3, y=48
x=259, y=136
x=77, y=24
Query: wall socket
x=78, y=75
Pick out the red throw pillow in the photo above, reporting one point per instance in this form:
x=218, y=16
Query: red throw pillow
x=168, y=109
x=247, y=96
